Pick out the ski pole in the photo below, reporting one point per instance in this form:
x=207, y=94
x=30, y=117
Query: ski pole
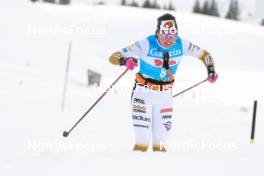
x=195, y=85
x=66, y=133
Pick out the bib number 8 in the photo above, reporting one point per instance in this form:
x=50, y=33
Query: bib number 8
x=163, y=72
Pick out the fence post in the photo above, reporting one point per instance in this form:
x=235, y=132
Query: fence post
x=66, y=76
x=252, y=137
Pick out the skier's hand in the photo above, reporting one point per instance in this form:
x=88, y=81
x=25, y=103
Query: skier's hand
x=131, y=63
x=212, y=75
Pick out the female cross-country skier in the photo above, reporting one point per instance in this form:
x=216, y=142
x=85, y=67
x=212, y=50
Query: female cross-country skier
x=159, y=56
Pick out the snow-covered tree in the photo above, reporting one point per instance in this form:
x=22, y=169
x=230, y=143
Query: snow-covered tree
x=134, y=4
x=197, y=7
x=155, y=5
x=214, y=9
x=262, y=22
x=233, y=11
x=65, y=1
x=206, y=8
x=146, y=4
x=171, y=6
x=51, y=1
x=123, y=2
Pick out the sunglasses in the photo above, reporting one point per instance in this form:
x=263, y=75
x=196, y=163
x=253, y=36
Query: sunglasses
x=168, y=36
x=168, y=33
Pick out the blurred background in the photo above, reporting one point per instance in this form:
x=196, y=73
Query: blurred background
x=244, y=10
x=54, y=65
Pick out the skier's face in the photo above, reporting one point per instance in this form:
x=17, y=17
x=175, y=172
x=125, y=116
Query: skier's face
x=166, y=40
x=167, y=33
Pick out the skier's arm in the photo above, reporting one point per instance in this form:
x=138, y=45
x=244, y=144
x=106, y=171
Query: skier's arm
x=116, y=58
x=191, y=49
x=133, y=51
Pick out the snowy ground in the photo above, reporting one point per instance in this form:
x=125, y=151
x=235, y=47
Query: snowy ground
x=211, y=128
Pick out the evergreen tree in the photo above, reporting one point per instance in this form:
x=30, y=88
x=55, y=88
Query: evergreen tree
x=99, y=3
x=34, y=0
x=197, y=7
x=233, y=11
x=205, y=9
x=123, y=2
x=262, y=22
x=155, y=5
x=147, y=4
x=64, y=2
x=134, y=4
x=171, y=7
x=51, y=1
x=209, y=8
x=214, y=9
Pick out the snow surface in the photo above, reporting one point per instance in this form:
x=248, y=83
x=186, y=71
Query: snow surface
x=211, y=126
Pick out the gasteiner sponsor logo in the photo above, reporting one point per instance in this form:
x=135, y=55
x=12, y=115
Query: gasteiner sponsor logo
x=172, y=53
